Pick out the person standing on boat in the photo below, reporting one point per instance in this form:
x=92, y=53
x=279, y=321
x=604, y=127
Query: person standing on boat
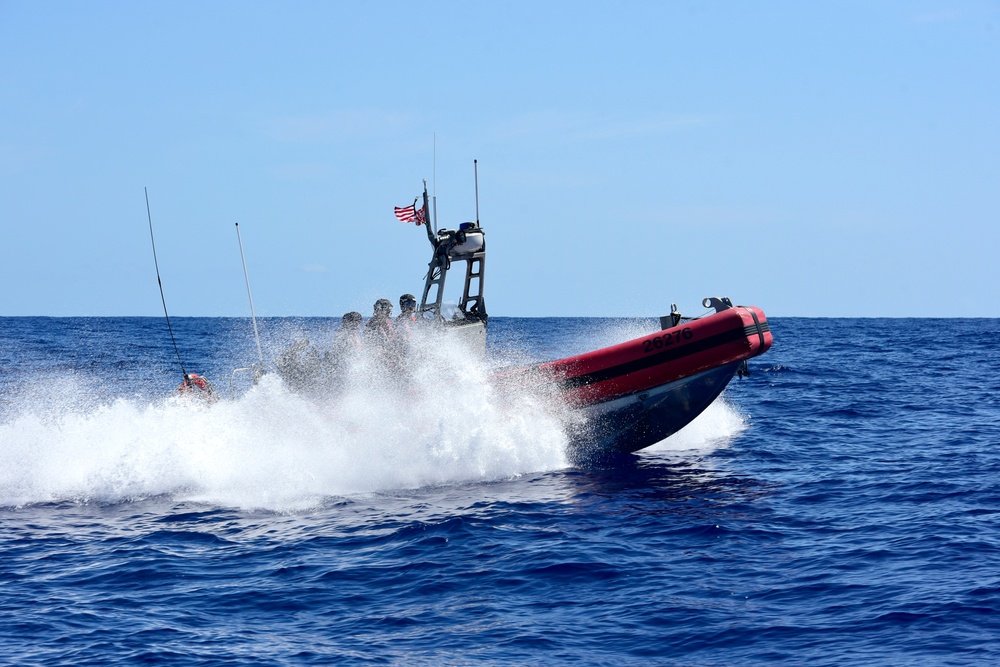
x=380, y=337
x=407, y=317
x=379, y=331
x=349, y=335
x=346, y=346
x=300, y=366
x=197, y=386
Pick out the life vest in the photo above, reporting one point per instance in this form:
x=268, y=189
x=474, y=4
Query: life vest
x=404, y=322
x=379, y=330
x=196, y=385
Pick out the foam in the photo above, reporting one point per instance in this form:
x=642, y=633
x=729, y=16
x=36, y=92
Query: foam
x=64, y=440
x=275, y=449
x=711, y=430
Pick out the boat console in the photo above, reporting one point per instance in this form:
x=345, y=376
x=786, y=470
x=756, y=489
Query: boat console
x=466, y=244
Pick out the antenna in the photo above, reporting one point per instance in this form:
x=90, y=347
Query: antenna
x=434, y=185
x=246, y=277
x=475, y=167
x=160, y=283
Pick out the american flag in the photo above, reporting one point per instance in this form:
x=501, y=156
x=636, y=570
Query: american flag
x=410, y=214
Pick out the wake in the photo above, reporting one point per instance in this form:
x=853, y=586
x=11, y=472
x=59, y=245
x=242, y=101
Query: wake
x=276, y=449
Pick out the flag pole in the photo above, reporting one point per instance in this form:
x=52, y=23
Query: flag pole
x=427, y=213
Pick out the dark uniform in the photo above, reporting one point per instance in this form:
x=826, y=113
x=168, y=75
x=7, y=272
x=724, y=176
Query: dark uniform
x=407, y=316
x=379, y=331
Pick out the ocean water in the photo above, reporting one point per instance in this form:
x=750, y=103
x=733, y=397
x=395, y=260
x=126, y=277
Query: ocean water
x=839, y=506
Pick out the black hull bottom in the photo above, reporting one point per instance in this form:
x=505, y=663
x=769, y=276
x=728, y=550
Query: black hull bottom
x=628, y=424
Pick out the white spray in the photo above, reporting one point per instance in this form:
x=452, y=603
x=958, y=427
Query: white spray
x=276, y=449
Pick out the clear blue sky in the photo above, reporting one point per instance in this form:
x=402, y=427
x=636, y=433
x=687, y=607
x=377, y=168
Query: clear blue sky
x=812, y=158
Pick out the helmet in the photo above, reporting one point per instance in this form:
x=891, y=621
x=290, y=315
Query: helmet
x=383, y=305
x=351, y=317
x=407, y=301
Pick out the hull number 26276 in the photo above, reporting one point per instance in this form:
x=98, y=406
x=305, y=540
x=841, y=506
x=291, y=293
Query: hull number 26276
x=666, y=340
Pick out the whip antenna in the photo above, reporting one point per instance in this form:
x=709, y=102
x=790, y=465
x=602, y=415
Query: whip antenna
x=160, y=283
x=246, y=276
x=475, y=167
x=435, y=183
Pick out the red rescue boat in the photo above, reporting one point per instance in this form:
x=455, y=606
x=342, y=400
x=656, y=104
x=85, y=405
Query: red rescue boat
x=637, y=393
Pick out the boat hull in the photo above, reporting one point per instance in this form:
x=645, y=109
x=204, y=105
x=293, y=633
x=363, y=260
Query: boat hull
x=630, y=423
x=637, y=393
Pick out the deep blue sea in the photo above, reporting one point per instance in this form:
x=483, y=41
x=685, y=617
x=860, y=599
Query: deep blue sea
x=841, y=506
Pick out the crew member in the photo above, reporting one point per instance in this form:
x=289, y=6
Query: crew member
x=379, y=330
x=349, y=335
x=346, y=345
x=300, y=366
x=196, y=386
x=407, y=316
